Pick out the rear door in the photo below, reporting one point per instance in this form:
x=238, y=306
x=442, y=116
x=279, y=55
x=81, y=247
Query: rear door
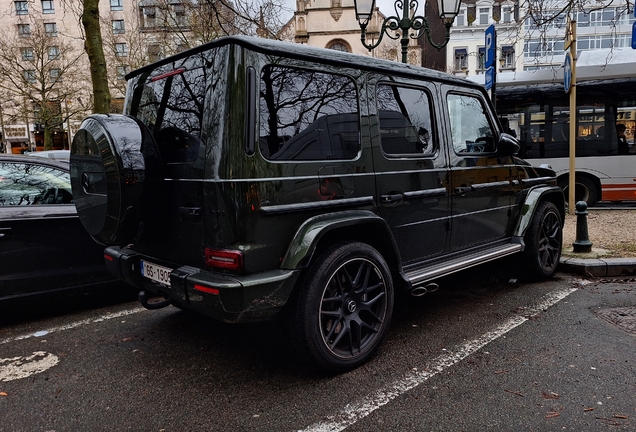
x=411, y=168
x=480, y=185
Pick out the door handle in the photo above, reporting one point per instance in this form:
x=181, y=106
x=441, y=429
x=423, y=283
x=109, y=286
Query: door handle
x=391, y=198
x=461, y=190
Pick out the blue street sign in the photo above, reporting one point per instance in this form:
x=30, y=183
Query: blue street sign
x=489, y=79
x=491, y=43
x=567, y=72
x=634, y=32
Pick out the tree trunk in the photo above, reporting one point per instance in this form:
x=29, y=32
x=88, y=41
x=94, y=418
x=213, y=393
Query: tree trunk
x=95, y=51
x=48, y=138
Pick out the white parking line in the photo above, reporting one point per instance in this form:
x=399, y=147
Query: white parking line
x=358, y=410
x=73, y=325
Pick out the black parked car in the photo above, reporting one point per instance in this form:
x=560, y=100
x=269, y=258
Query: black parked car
x=43, y=246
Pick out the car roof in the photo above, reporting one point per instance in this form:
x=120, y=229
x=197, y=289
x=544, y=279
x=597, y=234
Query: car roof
x=311, y=53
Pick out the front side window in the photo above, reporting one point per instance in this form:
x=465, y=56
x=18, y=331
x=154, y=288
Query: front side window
x=27, y=184
x=21, y=8
x=405, y=121
x=307, y=115
x=470, y=129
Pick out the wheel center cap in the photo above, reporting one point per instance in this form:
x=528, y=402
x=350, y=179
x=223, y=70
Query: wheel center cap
x=351, y=306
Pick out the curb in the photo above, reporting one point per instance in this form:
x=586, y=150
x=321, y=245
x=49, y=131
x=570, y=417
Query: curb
x=599, y=267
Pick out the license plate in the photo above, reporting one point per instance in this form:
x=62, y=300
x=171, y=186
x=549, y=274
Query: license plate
x=155, y=272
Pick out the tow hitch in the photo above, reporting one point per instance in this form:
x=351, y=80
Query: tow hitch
x=153, y=302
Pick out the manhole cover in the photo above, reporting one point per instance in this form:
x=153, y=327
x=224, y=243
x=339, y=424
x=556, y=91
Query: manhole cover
x=624, y=318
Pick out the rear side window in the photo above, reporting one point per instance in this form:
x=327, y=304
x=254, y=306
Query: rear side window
x=170, y=104
x=307, y=115
x=405, y=121
x=471, y=131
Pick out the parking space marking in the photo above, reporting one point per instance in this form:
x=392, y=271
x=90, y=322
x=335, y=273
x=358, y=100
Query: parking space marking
x=24, y=366
x=360, y=409
x=73, y=325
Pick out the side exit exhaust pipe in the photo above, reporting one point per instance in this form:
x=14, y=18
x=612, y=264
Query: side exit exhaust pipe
x=143, y=299
x=421, y=290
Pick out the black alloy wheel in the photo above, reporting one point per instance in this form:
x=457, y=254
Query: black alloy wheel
x=544, y=240
x=345, y=306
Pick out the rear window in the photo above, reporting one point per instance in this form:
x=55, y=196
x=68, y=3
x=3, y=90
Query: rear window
x=170, y=104
x=307, y=115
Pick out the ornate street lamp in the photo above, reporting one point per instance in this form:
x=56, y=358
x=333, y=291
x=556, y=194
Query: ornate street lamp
x=448, y=10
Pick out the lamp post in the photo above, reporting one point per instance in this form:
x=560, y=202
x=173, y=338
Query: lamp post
x=448, y=10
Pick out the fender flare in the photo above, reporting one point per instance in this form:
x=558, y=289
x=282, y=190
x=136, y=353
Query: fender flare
x=533, y=198
x=309, y=234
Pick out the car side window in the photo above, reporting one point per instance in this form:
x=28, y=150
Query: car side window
x=27, y=184
x=405, y=121
x=307, y=115
x=471, y=131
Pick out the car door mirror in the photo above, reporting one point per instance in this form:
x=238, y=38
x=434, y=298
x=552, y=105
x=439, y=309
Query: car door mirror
x=508, y=145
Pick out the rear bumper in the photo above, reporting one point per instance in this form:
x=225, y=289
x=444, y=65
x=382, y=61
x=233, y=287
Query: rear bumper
x=227, y=298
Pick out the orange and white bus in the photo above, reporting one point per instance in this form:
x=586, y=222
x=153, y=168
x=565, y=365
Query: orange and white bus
x=535, y=106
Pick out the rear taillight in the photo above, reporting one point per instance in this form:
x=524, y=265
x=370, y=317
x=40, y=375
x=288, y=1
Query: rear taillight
x=108, y=257
x=224, y=259
x=207, y=290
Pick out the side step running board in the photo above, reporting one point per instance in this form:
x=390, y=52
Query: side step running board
x=423, y=275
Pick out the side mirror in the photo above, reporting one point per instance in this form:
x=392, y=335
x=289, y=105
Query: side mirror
x=508, y=145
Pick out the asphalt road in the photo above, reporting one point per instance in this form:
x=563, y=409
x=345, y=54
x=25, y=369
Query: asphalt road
x=481, y=353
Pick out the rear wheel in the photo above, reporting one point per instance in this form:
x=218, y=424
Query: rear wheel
x=344, y=307
x=584, y=190
x=544, y=240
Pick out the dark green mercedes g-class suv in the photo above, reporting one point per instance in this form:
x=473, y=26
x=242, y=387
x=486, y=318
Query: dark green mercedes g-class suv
x=248, y=177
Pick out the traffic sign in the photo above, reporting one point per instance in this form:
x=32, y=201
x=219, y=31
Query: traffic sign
x=634, y=32
x=491, y=43
x=489, y=79
x=567, y=72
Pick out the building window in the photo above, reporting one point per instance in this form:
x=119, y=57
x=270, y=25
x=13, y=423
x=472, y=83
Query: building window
x=339, y=45
x=121, y=72
x=21, y=8
x=154, y=53
x=48, y=7
x=54, y=53
x=507, y=14
x=121, y=49
x=148, y=16
x=27, y=54
x=481, y=59
x=50, y=29
x=460, y=19
x=461, y=59
x=116, y=5
x=24, y=30
x=508, y=57
x=29, y=75
x=55, y=75
x=484, y=16
x=118, y=27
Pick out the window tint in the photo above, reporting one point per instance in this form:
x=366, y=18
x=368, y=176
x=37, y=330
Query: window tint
x=405, y=121
x=26, y=184
x=470, y=128
x=307, y=115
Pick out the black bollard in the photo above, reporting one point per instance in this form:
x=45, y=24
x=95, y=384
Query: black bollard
x=582, y=244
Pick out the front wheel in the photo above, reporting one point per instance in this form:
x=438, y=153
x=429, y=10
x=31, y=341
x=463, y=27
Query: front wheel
x=544, y=240
x=344, y=307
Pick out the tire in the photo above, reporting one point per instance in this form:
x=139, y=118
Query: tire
x=584, y=190
x=345, y=306
x=544, y=240
x=112, y=158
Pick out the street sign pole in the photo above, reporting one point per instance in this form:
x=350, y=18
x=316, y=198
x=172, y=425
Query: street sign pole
x=571, y=44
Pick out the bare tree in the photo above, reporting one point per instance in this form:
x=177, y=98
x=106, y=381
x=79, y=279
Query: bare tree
x=44, y=72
